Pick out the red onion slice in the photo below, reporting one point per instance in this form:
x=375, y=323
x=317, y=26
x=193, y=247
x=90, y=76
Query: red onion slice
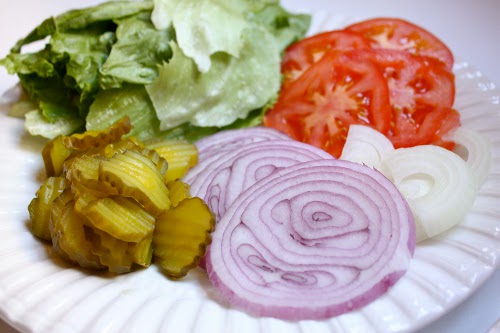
x=312, y=241
x=212, y=147
x=228, y=140
x=219, y=182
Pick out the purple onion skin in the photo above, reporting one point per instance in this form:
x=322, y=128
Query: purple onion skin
x=247, y=286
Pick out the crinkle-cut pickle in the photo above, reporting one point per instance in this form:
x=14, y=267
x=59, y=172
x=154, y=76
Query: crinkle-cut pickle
x=178, y=191
x=94, y=139
x=101, y=210
x=141, y=252
x=54, y=153
x=181, y=156
x=112, y=252
x=41, y=206
x=120, y=217
x=68, y=234
x=84, y=170
x=136, y=176
x=159, y=161
x=182, y=235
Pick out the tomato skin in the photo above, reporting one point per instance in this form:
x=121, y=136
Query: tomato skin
x=334, y=93
x=421, y=93
x=301, y=55
x=394, y=33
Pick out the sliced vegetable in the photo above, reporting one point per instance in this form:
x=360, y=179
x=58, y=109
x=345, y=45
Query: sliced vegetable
x=475, y=149
x=134, y=175
x=178, y=191
x=141, y=253
x=121, y=218
x=54, y=153
x=220, y=182
x=112, y=252
x=395, y=33
x=224, y=141
x=40, y=207
x=421, y=96
x=331, y=95
x=312, y=241
x=95, y=139
x=301, y=55
x=181, y=156
x=438, y=184
x=182, y=235
x=67, y=229
x=364, y=145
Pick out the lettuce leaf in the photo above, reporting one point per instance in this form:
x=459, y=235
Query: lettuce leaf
x=227, y=92
x=204, y=27
x=130, y=100
x=77, y=19
x=177, y=68
x=286, y=27
x=83, y=53
x=135, y=56
x=36, y=124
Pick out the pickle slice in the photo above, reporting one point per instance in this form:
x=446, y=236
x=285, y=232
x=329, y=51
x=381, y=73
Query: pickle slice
x=68, y=234
x=120, y=217
x=95, y=139
x=181, y=156
x=40, y=207
x=112, y=252
x=85, y=171
x=54, y=153
x=182, y=235
x=122, y=146
x=178, y=191
x=141, y=253
x=134, y=175
x=159, y=161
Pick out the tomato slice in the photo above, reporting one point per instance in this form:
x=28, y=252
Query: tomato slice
x=421, y=94
x=301, y=55
x=330, y=95
x=392, y=33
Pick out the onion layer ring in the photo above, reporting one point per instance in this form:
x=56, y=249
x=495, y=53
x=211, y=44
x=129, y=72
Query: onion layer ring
x=312, y=241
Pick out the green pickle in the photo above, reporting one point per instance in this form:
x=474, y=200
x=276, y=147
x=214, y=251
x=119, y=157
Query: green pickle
x=181, y=156
x=94, y=139
x=178, y=191
x=120, y=217
x=40, y=207
x=141, y=252
x=181, y=236
x=68, y=234
x=136, y=176
x=113, y=203
x=112, y=252
x=54, y=153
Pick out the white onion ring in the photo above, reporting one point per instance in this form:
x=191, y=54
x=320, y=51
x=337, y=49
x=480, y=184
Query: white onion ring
x=365, y=145
x=437, y=183
x=312, y=241
x=475, y=149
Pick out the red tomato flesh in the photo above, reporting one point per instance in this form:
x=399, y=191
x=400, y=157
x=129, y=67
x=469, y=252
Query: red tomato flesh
x=334, y=93
x=393, y=33
x=301, y=55
x=421, y=94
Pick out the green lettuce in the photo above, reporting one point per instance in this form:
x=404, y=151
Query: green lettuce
x=135, y=56
x=228, y=91
x=177, y=68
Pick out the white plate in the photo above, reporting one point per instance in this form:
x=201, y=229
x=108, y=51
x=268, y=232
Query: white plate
x=38, y=292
